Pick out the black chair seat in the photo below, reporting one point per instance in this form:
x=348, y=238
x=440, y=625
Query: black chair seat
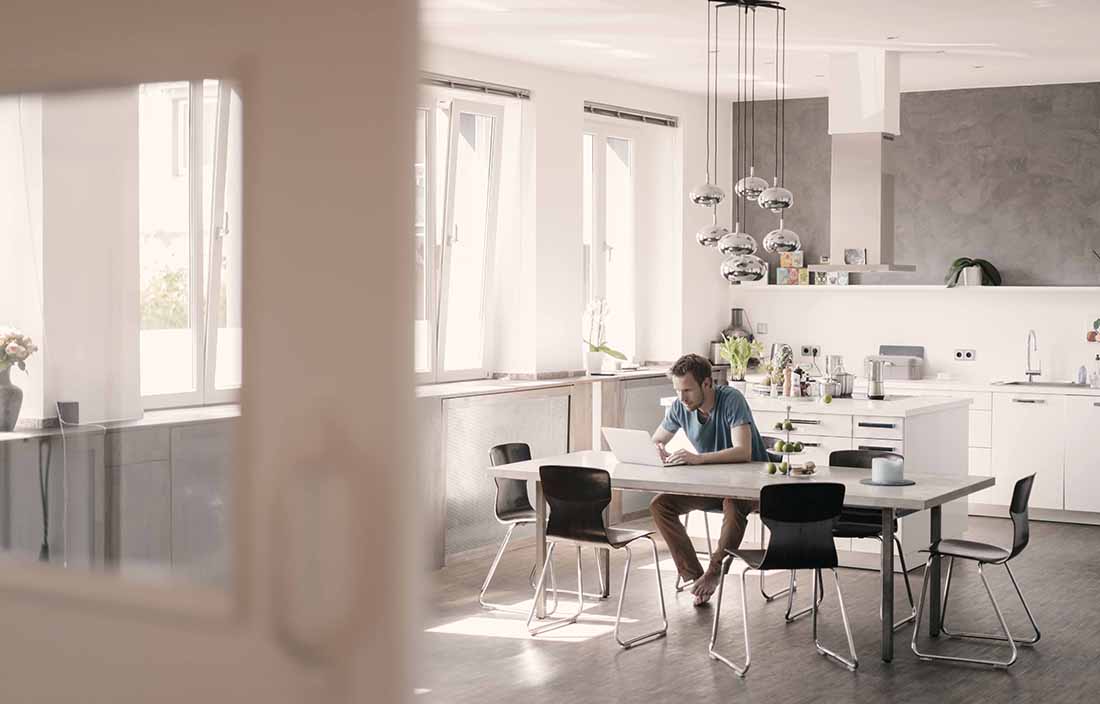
x=618, y=537
x=752, y=558
x=969, y=550
x=516, y=515
x=858, y=530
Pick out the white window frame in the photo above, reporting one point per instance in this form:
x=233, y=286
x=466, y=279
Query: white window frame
x=440, y=225
x=601, y=130
x=203, y=317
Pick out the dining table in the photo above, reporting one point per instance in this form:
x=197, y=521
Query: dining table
x=929, y=492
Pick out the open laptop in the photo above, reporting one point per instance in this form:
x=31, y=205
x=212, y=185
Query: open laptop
x=634, y=447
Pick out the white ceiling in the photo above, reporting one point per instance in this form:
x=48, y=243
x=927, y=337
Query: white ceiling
x=946, y=44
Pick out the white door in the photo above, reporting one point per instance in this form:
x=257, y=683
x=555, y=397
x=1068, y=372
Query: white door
x=1082, y=428
x=1029, y=437
x=316, y=602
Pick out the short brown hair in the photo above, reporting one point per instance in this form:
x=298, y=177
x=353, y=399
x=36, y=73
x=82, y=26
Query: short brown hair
x=696, y=365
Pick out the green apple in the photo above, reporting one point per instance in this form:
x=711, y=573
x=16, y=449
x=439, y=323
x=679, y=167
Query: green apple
x=797, y=447
x=779, y=425
x=780, y=446
x=772, y=468
x=827, y=399
x=783, y=467
x=787, y=425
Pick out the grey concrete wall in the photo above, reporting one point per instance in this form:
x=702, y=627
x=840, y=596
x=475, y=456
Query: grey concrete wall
x=1011, y=175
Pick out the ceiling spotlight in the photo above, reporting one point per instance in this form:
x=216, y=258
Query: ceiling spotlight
x=893, y=37
x=979, y=66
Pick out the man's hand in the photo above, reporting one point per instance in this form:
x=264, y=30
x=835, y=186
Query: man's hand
x=685, y=457
x=662, y=451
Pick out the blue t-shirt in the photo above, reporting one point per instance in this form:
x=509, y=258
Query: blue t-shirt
x=730, y=411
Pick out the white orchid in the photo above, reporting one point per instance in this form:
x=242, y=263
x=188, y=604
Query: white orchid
x=594, y=328
x=15, y=348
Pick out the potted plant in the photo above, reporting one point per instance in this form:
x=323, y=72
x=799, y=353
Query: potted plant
x=594, y=336
x=15, y=348
x=737, y=351
x=973, y=272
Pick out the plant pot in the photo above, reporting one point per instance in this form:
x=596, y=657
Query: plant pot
x=593, y=362
x=971, y=276
x=11, y=401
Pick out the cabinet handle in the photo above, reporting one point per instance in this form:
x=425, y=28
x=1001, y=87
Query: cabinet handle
x=878, y=448
x=1096, y=403
x=805, y=422
x=868, y=424
x=1030, y=400
x=817, y=444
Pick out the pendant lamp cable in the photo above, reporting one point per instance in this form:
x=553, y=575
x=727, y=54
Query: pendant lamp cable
x=708, y=91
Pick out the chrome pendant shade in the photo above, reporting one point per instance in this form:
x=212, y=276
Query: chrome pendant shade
x=750, y=187
x=737, y=242
x=711, y=235
x=742, y=268
x=782, y=239
x=775, y=198
x=707, y=194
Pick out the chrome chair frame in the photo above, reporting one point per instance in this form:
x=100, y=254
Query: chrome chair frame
x=572, y=618
x=681, y=585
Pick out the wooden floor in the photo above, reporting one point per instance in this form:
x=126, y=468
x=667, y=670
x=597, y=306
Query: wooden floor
x=471, y=655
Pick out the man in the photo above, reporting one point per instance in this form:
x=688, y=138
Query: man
x=719, y=424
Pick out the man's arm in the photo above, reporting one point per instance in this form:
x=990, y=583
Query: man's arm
x=661, y=436
x=739, y=451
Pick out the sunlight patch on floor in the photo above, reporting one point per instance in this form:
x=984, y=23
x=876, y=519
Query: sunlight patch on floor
x=501, y=624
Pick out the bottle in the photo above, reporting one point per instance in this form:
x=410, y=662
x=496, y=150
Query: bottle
x=1096, y=373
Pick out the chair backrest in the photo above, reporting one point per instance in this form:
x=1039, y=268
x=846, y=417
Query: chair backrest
x=1017, y=510
x=769, y=443
x=511, y=493
x=801, y=519
x=859, y=459
x=577, y=498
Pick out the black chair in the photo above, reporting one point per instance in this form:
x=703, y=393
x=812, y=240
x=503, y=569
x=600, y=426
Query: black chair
x=862, y=523
x=577, y=498
x=801, y=518
x=983, y=554
x=512, y=509
x=681, y=585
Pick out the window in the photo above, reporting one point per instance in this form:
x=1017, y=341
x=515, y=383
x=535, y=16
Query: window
x=608, y=202
x=189, y=219
x=457, y=172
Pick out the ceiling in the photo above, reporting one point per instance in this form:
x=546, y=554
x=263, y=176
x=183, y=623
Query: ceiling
x=944, y=44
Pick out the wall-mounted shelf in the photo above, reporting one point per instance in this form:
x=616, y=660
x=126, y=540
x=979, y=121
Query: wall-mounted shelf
x=864, y=268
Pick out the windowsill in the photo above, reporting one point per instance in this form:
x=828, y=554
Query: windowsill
x=480, y=387
x=150, y=419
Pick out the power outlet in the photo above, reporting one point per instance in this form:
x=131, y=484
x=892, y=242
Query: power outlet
x=810, y=351
x=966, y=355
x=761, y=328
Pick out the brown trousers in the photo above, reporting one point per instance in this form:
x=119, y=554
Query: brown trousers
x=667, y=509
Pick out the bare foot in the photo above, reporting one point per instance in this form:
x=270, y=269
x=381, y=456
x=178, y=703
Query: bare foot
x=704, y=587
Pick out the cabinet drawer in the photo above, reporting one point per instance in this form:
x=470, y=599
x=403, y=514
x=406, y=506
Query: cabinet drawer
x=878, y=427
x=817, y=448
x=981, y=428
x=880, y=444
x=820, y=424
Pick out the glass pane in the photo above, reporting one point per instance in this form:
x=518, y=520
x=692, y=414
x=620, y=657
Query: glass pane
x=94, y=221
x=227, y=370
x=587, y=216
x=466, y=279
x=619, y=221
x=422, y=326
x=167, y=330
x=209, y=144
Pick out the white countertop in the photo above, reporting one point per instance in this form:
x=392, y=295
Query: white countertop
x=172, y=416
x=481, y=387
x=980, y=387
x=897, y=407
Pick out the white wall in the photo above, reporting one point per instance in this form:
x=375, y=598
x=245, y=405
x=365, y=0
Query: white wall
x=992, y=321
x=551, y=291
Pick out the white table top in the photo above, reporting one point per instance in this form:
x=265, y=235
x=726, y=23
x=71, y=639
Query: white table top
x=746, y=480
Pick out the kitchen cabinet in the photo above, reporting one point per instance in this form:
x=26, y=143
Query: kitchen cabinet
x=202, y=458
x=981, y=464
x=1029, y=437
x=1082, y=473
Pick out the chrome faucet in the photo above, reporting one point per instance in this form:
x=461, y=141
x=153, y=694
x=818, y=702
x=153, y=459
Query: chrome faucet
x=1032, y=344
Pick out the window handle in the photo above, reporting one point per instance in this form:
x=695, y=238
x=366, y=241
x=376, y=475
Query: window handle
x=223, y=229
x=610, y=251
x=454, y=235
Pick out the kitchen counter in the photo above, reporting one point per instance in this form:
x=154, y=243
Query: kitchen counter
x=979, y=387
x=891, y=407
x=482, y=387
x=174, y=416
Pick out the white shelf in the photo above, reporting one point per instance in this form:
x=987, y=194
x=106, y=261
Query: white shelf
x=863, y=268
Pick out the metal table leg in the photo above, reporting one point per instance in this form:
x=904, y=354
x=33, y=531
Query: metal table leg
x=603, y=559
x=540, y=546
x=933, y=574
x=887, y=570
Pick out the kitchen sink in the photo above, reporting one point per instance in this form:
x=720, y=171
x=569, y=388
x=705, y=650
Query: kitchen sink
x=1046, y=384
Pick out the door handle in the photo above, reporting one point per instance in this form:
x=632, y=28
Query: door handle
x=885, y=426
x=811, y=444
x=800, y=421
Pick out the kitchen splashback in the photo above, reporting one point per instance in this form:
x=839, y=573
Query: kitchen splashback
x=854, y=321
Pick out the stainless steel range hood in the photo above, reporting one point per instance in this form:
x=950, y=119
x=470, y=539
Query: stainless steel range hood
x=864, y=103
